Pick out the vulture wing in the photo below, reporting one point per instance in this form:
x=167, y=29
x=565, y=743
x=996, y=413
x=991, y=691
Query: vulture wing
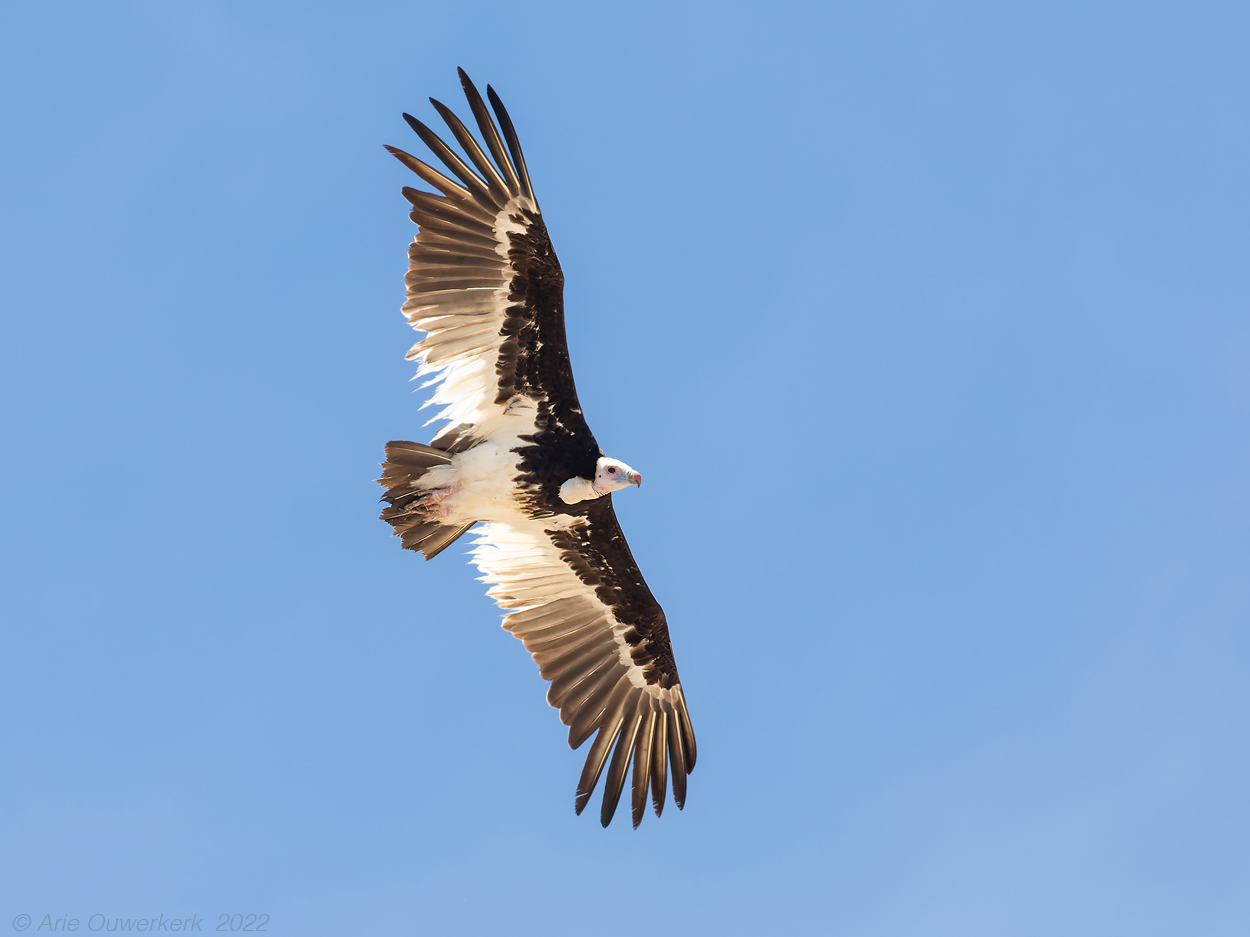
x=484, y=282
x=575, y=596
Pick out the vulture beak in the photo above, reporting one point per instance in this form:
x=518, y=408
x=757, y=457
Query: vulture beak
x=635, y=478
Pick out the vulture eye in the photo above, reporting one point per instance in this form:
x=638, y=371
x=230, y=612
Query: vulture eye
x=611, y=469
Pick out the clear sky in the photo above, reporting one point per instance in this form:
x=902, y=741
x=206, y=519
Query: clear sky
x=926, y=322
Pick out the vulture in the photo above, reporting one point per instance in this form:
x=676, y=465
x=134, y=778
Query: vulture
x=517, y=459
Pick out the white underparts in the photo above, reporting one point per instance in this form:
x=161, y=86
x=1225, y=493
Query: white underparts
x=578, y=489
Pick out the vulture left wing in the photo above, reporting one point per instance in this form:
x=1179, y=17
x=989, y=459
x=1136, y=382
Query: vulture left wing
x=575, y=596
x=484, y=282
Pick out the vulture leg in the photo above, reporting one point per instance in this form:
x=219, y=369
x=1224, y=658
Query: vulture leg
x=427, y=504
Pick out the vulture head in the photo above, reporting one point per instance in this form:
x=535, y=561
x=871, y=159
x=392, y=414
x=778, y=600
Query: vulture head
x=613, y=475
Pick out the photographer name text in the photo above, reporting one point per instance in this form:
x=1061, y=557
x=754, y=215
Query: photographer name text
x=225, y=923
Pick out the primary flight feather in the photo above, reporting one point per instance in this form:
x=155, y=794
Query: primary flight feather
x=518, y=458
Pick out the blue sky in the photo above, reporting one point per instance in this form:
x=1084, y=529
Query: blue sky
x=927, y=324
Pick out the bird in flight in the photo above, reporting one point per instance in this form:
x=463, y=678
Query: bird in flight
x=517, y=457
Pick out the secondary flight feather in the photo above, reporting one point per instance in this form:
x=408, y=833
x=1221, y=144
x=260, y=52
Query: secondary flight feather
x=518, y=458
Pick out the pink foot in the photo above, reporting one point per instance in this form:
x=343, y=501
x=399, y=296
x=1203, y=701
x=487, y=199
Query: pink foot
x=428, y=504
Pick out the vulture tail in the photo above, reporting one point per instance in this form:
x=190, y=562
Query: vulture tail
x=406, y=463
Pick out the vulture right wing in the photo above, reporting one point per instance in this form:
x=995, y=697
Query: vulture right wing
x=575, y=596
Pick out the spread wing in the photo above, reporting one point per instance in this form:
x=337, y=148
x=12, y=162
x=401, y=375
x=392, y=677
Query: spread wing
x=484, y=282
x=575, y=596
